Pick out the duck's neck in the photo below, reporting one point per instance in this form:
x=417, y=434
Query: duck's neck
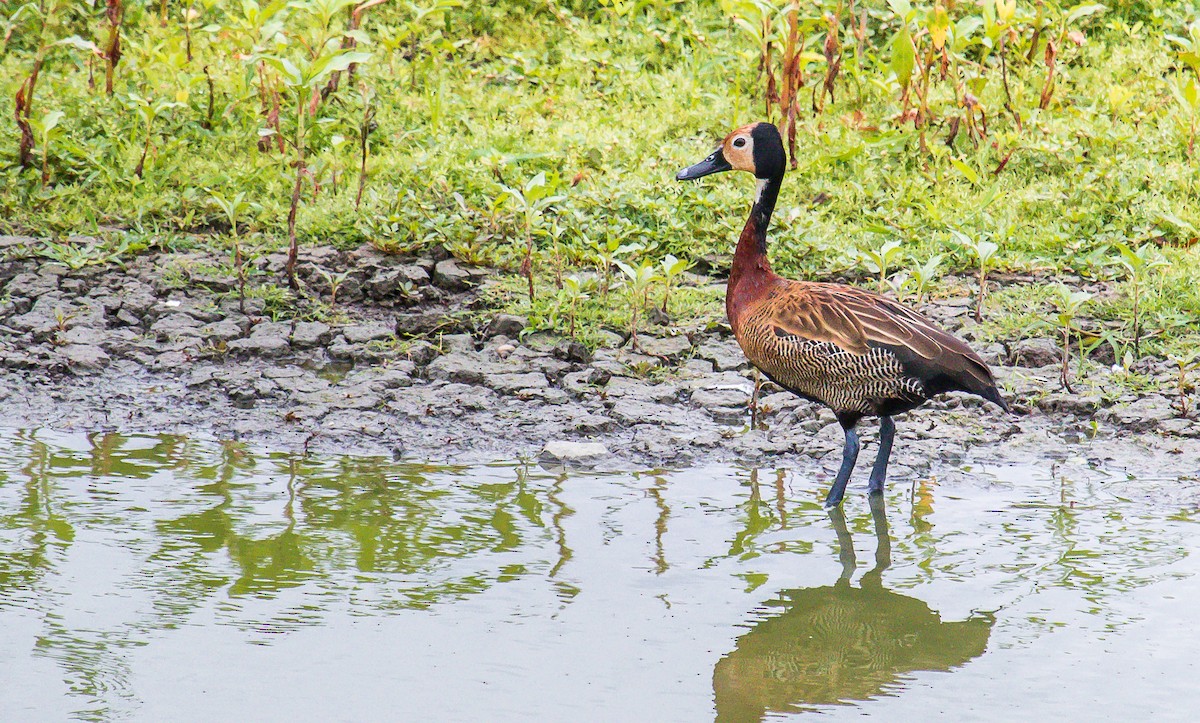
x=751, y=272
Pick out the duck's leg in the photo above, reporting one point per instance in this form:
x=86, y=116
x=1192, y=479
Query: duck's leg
x=849, y=457
x=887, y=432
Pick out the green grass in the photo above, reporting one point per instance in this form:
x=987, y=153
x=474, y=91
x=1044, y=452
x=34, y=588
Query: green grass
x=608, y=102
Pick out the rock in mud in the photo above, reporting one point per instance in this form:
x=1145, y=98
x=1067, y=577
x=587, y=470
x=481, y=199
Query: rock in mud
x=308, y=334
x=452, y=276
x=564, y=451
x=384, y=284
x=1142, y=415
x=173, y=326
x=1082, y=405
x=720, y=398
x=1037, y=353
x=584, y=382
x=668, y=347
x=82, y=335
x=509, y=325
x=85, y=356
x=573, y=351
x=224, y=330
x=592, y=424
x=513, y=383
x=724, y=355
x=36, y=322
x=465, y=368
x=363, y=333
x=458, y=343
x=421, y=323
x=626, y=388
x=1180, y=428
x=633, y=411
x=268, y=339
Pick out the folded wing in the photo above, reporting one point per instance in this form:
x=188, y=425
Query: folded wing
x=857, y=321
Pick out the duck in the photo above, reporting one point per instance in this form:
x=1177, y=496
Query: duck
x=859, y=353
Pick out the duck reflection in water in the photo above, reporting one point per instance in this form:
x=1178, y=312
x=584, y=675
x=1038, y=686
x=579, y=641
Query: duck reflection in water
x=839, y=643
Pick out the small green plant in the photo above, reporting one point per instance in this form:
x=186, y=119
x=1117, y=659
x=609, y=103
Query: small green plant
x=985, y=256
x=574, y=288
x=641, y=278
x=115, y=14
x=415, y=33
x=149, y=111
x=1186, y=92
x=532, y=201
x=921, y=276
x=1184, y=363
x=335, y=282
x=608, y=255
x=1137, y=265
x=878, y=261
x=1069, y=304
x=365, y=128
x=671, y=268
x=47, y=129
x=233, y=209
x=76, y=256
x=1188, y=48
x=304, y=75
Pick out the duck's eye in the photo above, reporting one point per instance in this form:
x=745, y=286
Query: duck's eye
x=739, y=142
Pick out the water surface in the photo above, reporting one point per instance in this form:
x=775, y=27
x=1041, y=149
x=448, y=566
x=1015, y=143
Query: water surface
x=161, y=578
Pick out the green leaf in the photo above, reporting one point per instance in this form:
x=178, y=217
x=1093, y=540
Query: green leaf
x=966, y=170
x=50, y=121
x=334, y=63
x=901, y=7
x=77, y=42
x=292, y=77
x=1083, y=10
x=985, y=250
x=904, y=56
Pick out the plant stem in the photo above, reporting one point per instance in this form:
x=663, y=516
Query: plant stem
x=1137, y=327
x=293, y=247
x=1064, y=377
x=141, y=164
x=112, y=51
x=527, y=263
x=207, y=124
x=364, y=133
x=240, y=263
x=982, y=292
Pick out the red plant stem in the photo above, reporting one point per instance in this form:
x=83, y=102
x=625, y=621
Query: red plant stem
x=112, y=50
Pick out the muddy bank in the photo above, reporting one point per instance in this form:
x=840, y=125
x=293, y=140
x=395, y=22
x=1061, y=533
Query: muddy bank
x=407, y=365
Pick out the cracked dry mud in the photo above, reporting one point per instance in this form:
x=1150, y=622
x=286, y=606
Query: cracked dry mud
x=118, y=349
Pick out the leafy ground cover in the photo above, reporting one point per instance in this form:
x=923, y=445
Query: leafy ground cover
x=1045, y=149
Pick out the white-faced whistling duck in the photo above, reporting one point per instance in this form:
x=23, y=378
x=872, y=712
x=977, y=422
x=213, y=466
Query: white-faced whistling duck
x=856, y=352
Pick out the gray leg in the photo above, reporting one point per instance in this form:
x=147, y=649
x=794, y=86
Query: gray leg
x=849, y=457
x=887, y=432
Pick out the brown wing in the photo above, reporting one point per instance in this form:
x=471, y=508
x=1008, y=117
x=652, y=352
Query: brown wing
x=858, y=320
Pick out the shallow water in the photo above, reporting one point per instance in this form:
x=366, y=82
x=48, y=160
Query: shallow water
x=161, y=578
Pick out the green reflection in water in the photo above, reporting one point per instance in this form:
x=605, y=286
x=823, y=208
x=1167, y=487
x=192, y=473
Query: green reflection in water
x=192, y=525
x=839, y=643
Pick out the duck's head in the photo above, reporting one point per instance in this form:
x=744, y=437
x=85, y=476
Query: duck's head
x=756, y=148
